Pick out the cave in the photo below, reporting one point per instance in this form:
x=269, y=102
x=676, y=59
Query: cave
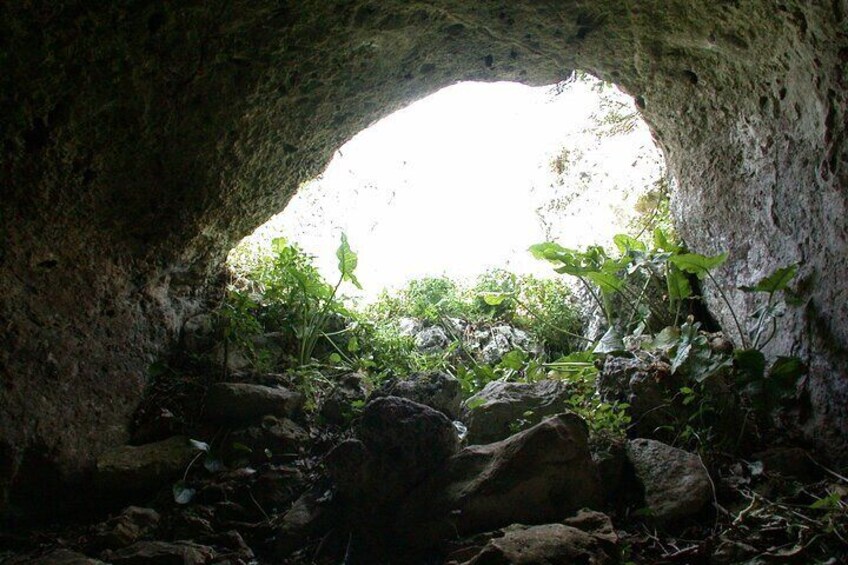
x=142, y=140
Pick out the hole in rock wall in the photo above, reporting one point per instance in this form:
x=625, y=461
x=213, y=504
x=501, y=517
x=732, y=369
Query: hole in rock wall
x=468, y=178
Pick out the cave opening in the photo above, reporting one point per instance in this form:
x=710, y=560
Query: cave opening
x=140, y=141
x=468, y=178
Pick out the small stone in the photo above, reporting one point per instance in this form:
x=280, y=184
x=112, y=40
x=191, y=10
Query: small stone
x=130, y=526
x=675, y=482
x=238, y=403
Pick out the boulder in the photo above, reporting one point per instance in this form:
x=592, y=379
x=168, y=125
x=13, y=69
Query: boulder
x=534, y=477
x=675, y=482
x=144, y=467
x=547, y=544
x=338, y=406
x=502, y=408
x=400, y=443
x=239, y=403
x=161, y=553
x=435, y=389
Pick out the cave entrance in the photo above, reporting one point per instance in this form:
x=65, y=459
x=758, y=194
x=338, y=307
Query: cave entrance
x=465, y=180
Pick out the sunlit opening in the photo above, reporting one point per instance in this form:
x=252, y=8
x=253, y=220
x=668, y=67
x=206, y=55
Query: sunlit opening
x=468, y=178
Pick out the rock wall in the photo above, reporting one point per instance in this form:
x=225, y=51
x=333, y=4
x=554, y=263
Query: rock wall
x=141, y=140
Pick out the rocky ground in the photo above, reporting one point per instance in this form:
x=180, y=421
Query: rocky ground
x=272, y=468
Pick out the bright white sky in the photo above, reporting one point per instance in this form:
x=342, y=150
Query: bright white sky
x=453, y=184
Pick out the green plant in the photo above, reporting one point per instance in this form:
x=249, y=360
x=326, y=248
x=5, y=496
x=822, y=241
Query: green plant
x=294, y=299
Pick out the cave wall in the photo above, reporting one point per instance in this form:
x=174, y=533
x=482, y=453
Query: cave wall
x=141, y=140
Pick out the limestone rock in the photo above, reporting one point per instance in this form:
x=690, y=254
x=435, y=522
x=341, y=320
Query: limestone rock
x=143, y=467
x=436, y=389
x=534, y=477
x=236, y=403
x=495, y=342
x=432, y=339
x=161, y=553
x=675, y=481
x=493, y=413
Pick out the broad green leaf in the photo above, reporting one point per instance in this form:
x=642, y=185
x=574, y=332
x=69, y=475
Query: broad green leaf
x=610, y=343
x=678, y=285
x=549, y=251
x=775, y=282
x=607, y=282
x=666, y=339
x=213, y=465
x=661, y=241
x=680, y=357
x=515, y=360
x=697, y=264
x=787, y=370
x=335, y=358
x=751, y=364
x=495, y=298
x=353, y=345
x=347, y=262
x=279, y=244
x=473, y=403
x=625, y=243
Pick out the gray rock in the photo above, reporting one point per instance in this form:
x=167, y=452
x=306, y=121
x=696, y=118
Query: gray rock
x=130, y=526
x=676, y=483
x=410, y=326
x=501, y=408
x=495, y=342
x=436, y=389
x=534, y=477
x=432, y=339
x=161, y=553
x=199, y=334
x=338, y=406
x=238, y=403
x=143, y=467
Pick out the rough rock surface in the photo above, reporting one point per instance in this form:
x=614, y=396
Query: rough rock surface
x=138, y=468
x=437, y=389
x=533, y=477
x=587, y=537
x=237, y=403
x=676, y=483
x=432, y=339
x=128, y=527
x=400, y=444
x=500, y=408
x=115, y=215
